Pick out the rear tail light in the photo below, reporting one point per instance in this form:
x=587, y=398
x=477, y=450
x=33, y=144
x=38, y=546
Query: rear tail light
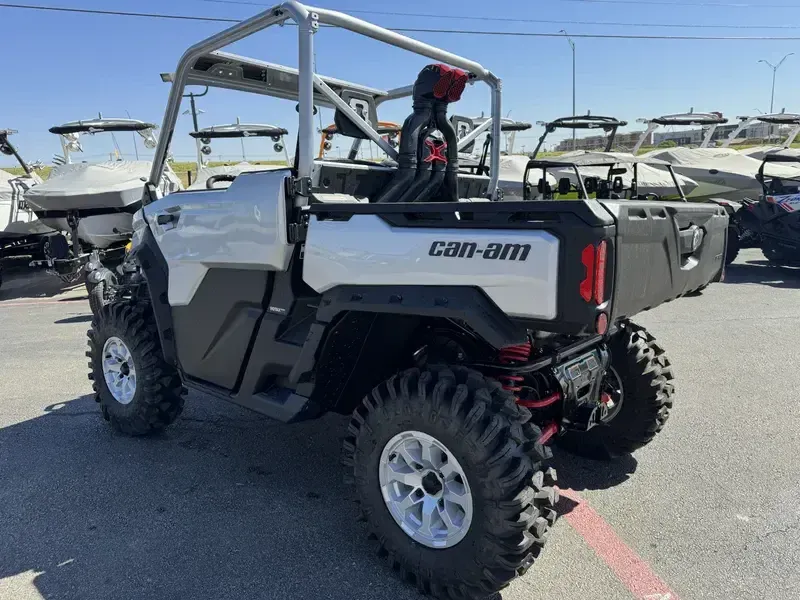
x=586, y=287
x=594, y=260
x=600, y=273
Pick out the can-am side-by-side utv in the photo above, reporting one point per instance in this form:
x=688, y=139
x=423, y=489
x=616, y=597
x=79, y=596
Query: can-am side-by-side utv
x=462, y=334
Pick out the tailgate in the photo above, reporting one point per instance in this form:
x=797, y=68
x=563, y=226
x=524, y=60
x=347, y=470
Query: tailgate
x=664, y=250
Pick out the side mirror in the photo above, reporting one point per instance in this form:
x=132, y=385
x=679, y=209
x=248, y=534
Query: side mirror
x=564, y=185
x=617, y=187
x=590, y=183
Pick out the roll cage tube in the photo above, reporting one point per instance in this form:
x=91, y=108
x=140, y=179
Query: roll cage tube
x=588, y=121
x=383, y=128
x=773, y=158
x=308, y=20
x=545, y=164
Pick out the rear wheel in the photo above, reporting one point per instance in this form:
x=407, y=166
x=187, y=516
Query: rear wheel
x=775, y=254
x=447, y=474
x=638, y=392
x=138, y=391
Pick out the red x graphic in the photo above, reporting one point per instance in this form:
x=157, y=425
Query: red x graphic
x=436, y=151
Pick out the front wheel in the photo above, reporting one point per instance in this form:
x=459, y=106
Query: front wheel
x=734, y=245
x=138, y=392
x=447, y=474
x=638, y=394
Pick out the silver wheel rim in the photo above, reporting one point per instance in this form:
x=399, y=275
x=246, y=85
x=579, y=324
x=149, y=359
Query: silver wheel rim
x=119, y=370
x=425, y=489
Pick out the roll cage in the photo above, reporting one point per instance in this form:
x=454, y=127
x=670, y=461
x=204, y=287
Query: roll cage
x=205, y=64
x=587, y=121
x=387, y=129
x=711, y=119
x=603, y=189
x=773, y=185
x=781, y=118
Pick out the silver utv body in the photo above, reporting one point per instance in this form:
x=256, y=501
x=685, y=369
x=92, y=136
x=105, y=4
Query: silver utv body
x=243, y=228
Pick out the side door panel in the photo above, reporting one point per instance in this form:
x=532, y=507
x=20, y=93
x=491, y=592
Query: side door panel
x=222, y=248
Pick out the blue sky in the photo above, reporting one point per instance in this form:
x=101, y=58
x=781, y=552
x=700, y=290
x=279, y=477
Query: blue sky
x=69, y=66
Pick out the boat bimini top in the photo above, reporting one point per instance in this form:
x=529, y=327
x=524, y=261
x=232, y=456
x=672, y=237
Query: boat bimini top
x=781, y=118
x=712, y=120
x=69, y=133
x=208, y=176
x=588, y=121
x=355, y=105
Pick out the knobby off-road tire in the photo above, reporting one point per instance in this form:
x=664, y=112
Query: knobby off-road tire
x=734, y=245
x=645, y=375
x=99, y=292
x=157, y=399
x=490, y=437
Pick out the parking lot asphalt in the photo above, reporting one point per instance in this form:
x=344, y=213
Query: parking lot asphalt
x=228, y=505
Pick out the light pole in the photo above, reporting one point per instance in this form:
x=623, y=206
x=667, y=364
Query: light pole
x=774, y=73
x=572, y=45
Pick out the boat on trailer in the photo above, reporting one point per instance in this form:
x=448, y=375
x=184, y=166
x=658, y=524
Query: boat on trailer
x=93, y=203
x=20, y=232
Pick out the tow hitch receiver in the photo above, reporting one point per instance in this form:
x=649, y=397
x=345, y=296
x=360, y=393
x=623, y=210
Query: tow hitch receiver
x=581, y=379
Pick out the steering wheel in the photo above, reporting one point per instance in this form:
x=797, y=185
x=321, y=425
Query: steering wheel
x=215, y=178
x=652, y=196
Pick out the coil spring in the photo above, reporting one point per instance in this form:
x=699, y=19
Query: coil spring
x=519, y=353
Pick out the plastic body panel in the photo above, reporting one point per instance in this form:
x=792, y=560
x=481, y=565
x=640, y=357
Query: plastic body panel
x=522, y=279
x=538, y=293
x=241, y=227
x=652, y=265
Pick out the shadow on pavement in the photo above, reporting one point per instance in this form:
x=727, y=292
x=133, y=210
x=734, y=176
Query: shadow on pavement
x=579, y=473
x=77, y=319
x=22, y=283
x=224, y=504
x=762, y=272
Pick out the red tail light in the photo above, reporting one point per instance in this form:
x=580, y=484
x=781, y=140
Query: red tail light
x=593, y=286
x=600, y=273
x=587, y=258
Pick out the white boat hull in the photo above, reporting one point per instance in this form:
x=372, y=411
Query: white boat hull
x=100, y=231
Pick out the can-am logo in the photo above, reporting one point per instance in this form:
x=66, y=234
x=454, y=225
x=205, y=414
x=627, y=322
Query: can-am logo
x=492, y=251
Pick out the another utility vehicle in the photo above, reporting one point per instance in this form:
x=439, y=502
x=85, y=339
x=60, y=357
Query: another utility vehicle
x=462, y=334
x=775, y=218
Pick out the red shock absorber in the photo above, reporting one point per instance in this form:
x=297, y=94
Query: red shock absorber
x=520, y=353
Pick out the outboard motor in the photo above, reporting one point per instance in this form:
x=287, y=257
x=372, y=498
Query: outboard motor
x=428, y=168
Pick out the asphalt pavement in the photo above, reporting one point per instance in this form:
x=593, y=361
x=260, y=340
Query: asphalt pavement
x=227, y=505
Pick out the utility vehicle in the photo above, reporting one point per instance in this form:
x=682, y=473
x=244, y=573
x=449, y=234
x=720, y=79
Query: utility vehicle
x=775, y=218
x=608, y=176
x=461, y=334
